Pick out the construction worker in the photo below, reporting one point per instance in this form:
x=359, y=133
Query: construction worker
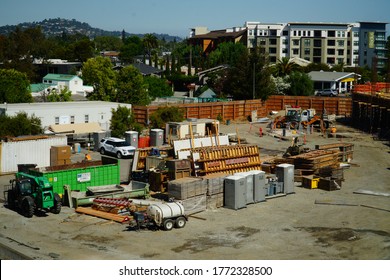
x=87, y=157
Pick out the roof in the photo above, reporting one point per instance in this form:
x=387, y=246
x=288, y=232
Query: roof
x=38, y=87
x=219, y=33
x=59, y=77
x=208, y=94
x=76, y=128
x=146, y=69
x=322, y=76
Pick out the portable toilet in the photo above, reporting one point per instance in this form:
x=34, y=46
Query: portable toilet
x=132, y=138
x=156, y=137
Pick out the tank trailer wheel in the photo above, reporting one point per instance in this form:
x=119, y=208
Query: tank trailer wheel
x=168, y=224
x=180, y=222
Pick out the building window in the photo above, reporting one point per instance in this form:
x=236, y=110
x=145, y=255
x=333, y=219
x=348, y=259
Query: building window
x=340, y=43
x=285, y=33
x=355, y=34
x=284, y=50
x=331, y=51
x=356, y=43
x=341, y=34
x=330, y=60
x=307, y=42
x=340, y=60
x=295, y=42
x=295, y=33
x=57, y=120
x=71, y=119
x=331, y=43
x=299, y=33
x=86, y=118
x=272, y=50
x=295, y=51
x=317, y=33
x=340, y=52
x=272, y=41
x=331, y=33
x=250, y=32
x=307, y=51
x=317, y=43
x=316, y=52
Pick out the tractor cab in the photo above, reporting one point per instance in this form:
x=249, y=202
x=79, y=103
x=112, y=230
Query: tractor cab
x=25, y=186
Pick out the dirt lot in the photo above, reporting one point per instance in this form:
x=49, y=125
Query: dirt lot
x=289, y=227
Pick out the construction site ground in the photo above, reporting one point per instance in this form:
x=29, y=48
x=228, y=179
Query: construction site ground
x=309, y=224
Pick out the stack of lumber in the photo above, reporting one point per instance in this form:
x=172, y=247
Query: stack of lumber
x=314, y=160
x=344, y=150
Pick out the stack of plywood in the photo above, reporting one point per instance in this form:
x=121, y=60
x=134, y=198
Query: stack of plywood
x=191, y=191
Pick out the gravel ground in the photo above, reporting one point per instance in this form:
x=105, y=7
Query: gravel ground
x=288, y=227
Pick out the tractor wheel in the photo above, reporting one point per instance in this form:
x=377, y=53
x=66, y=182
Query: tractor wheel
x=168, y=224
x=11, y=199
x=293, y=125
x=57, y=204
x=180, y=222
x=28, y=207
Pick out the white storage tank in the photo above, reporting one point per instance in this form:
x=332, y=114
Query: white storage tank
x=158, y=212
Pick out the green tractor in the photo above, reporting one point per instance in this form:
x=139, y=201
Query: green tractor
x=29, y=193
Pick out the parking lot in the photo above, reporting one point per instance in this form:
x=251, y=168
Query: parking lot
x=309, y=224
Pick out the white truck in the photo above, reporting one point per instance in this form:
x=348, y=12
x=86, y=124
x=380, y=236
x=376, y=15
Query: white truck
x=161, y=215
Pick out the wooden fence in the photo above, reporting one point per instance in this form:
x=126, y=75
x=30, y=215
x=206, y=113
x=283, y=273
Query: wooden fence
x=233, y=110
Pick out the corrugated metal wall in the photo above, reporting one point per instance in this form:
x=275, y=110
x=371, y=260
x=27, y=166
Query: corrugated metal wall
x=27, y=152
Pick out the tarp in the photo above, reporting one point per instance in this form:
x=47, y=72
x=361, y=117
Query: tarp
x=76, y=128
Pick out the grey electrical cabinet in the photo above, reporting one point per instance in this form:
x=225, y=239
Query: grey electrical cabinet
x=249, y=186
x=259, y=188
x=132, y=138
x=235, y=192
x=285, y=173
x=156, y=137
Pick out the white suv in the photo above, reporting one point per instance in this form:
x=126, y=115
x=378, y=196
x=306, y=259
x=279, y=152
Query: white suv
x=116, y=146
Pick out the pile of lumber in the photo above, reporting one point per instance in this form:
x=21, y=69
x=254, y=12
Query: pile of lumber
x=314, y=160
x=344, y=150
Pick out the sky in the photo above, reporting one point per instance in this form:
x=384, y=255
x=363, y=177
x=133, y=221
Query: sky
x=177, y=17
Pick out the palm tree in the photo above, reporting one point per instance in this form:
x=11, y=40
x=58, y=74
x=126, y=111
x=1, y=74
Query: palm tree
x=285, y=66
x=150, y=42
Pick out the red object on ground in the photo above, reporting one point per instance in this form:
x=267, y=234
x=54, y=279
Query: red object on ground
x=261, y=132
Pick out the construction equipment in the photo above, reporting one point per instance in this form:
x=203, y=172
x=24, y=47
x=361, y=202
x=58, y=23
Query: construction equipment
x=295, y=117
x=162, y=215
x=295, y=149
x=28, y=193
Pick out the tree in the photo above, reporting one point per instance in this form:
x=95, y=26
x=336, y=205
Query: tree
x=157, y=87
x=285, y=66
x=226, y=53
x=19, y=125
x=132, y=47
x=98, y=73
x=108, y=43
x=130, y=87
x=123, y=120
x=150, y=42
x=63, y=95
x=162, y=115
x=301, y=84
x=14, y=87
x=250, y=79
x=317, y=67
x=282, y=84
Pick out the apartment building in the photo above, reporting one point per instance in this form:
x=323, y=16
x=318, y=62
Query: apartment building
x=351, y=44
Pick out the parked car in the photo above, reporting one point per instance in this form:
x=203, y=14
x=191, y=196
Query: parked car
x=116, y=146
x=327, y=92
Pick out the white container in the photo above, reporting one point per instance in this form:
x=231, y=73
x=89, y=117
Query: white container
x=159, y=212
x=28, y=152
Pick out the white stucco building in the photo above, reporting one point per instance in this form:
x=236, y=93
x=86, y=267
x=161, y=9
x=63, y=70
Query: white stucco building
x=66, y=116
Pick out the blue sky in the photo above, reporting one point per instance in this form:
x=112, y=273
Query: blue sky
x=177, y=17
